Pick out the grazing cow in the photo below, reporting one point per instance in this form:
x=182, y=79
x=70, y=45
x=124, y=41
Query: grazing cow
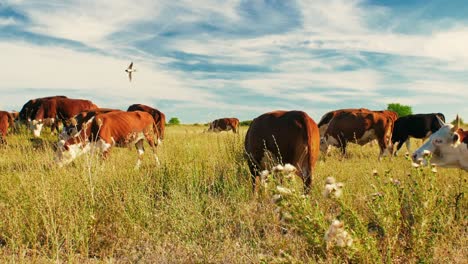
x=58, y=110
x=224, y=124
x=158, y=117
x=73, y=126
x=29, y=109
x=286, y=136
x=416, y=126
x=117, y=128
x=6, y=120
x=358, y=127
x=447, y=147
x=326, y=118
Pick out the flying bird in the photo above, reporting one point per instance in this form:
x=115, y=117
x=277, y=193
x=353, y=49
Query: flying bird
x=129, y=70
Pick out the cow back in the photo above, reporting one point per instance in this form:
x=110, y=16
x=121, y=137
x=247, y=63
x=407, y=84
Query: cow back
x=158, y=116
x=120, y=126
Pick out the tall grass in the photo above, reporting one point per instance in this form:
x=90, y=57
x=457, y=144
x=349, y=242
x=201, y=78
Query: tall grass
x=197, y=206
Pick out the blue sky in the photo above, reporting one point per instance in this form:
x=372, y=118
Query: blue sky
x=205, y=59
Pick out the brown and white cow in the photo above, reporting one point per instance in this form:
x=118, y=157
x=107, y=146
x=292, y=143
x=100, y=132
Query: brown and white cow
x=74, y=125
x=287, y=136
x=326, y=118
x=29, y=109
x=158, y=116
x=116, y=128
x=224, y=124
x=6, y=121
x=358, y=127
x=447, y=147
x=58, y=110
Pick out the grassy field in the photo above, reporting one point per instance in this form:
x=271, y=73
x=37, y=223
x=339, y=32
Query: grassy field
x=198, y=207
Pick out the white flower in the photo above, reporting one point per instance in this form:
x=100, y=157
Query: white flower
x=288, y=168
x=276, y=198
x=375, y=172
x=330, y=180
x=332, y=189
x=415, y=165
x=283, y=190
x=426, y=153
x=278, y=168
x=434, y=169
x=264, y=174
x=337, y=235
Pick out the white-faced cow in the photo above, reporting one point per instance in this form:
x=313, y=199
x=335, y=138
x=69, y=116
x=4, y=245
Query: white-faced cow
x=416, y=126
x=29, y=109
x=358, y=127
x=74, y=125
x=116, y=128
x=326, y=118
x=224, y=124
x=58, y=110
x=158, y=117
x=286, y=136
x=447, y=147
x=6, y=121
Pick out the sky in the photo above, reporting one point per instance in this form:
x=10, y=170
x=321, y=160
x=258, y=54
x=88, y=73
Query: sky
x=199, y=60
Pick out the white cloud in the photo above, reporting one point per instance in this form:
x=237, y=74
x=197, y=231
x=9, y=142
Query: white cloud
x=428, y=65
x=52, y=67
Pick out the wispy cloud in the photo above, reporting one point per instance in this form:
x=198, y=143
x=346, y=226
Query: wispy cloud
x=193, y=56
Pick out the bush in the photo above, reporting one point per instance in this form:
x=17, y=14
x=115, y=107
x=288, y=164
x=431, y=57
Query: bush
x=245, y=123
x=402, y=110
x=174, y=121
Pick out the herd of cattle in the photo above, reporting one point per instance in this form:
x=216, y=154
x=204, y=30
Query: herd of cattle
x=279, y=136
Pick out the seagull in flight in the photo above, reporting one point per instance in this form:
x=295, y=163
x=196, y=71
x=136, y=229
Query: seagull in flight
x=129, y=70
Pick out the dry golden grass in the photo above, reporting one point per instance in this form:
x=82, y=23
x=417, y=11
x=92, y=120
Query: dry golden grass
x=197, y=206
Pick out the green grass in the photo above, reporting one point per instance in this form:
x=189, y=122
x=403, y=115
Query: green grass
x=197, y=206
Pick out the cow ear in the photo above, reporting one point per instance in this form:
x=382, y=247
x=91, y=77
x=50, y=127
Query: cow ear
x=455, y=137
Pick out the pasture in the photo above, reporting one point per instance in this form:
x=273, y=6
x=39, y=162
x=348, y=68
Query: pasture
x=198, y=206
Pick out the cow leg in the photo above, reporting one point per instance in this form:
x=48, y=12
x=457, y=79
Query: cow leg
x=400, y=144
x=140, y=150
x=408, y=144
x=307, y=177
x=153, y=147
x=383, y=148
x=343, y=144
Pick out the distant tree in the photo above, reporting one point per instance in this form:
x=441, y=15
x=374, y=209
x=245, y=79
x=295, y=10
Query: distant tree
x=402, y=110
x=174, y=121
x=454, y=122
x=245, y=123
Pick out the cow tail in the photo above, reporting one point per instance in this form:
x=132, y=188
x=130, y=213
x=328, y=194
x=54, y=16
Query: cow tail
x=311, y=147
x=11, y=120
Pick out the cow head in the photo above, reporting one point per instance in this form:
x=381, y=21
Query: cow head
x=36, y=127
x=443, y=147
x=69, y=150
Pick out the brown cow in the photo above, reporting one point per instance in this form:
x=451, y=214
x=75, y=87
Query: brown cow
x=224, y=124
x=117, y=128
x=358, y=127
x=326, y=118
x=29, y=109
x=58, y=110
x=6, y=120
x=158, y=116
x=287, y=136
x=73, y=126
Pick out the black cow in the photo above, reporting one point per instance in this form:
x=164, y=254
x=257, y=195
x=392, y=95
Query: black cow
x=416, y=126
